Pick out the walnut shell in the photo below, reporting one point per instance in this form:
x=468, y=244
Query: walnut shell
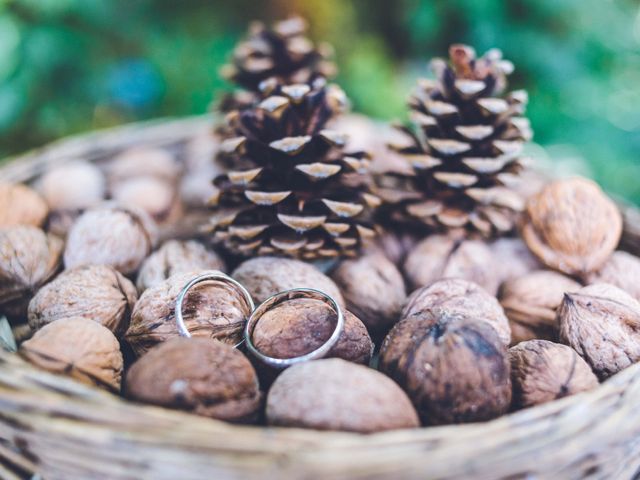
x=94, y=292
x=447, y=256
x=28, y=258
x=20, y=205
x=454, y=368
x=373, y=289
x=622, y=270
x=212, y=309
x=299, y=326
x=572, y=226
x=200, y=375
x=531, y=301
x=157, y=197
x=459, y=297
x=331, y=394
x=121, y=237
x=602, y=323
x=513, y=258
x=143, y=162
x=394, y=245
x=543, y=371
x=77, y=347
x=266, y=276
x=73, y=186
x=175, y=256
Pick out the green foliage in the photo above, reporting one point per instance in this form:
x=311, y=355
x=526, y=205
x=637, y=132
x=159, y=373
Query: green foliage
x=73, y=65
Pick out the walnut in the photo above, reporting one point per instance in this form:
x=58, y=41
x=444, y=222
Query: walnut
x=196, y=187
x=331, y=394
x=175, y=256
x=531, y=302
x=143, y=162
x=373, y=289
x=266, y=276
x=454, y=368
x=622, y=270
x=111, y=235
x=446, y=256
x=28, y=258
x=94, y=292
x=458, y=297
x=211, y=309
x=20, y=205
x=512, y=258
x=393, y=245
x=200, y=375
x=299, y=326
x=73, y=186
x=543, y=371
x=572, y=226
x=602, y=323
x=156, y=197
x=77, y=347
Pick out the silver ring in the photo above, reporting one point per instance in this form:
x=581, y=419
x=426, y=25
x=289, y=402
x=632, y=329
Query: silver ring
x=281, y=297
x=206, y=277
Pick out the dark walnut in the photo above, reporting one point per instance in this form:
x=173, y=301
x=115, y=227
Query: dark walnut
x=572, y=226
x=20, y=205
x=28, y=258
x=373, y=289
x=176, y=256
x=622, y=270
x=121, y=237
x=199, y=375
x=513, y=259
x=266, y=276
x=79, y=348
x=299, y=326
x=531, y=302
x=602, y=323
x=455, y=369
x=458, y=297
x=212, y=309
x=95, y=292
x=448, y=256
x=543, y=371
x=332, y=394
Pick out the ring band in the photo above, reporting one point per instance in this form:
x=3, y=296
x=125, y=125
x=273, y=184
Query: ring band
x=281, y=297
x=206, y=277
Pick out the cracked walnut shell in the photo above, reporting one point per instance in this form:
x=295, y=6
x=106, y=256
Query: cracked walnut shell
x=80, y=348
x=572, y=226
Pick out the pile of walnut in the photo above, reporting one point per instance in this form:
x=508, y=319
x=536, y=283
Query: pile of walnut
x=489, y=328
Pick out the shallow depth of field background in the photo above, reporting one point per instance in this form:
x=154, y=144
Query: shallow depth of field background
x=68, y=66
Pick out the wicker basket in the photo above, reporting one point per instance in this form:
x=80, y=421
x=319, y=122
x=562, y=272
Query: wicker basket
x=60, y=429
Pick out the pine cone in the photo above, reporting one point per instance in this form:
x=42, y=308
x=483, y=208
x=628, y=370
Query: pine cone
x=281, y=53
x=463, y=149
x=292, y=189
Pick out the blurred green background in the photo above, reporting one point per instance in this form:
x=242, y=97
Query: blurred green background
x=72, y=65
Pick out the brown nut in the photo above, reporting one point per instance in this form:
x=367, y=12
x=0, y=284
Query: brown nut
x=73, y=186
x=531, y=301
x=94, y=292
x=572, y=226
x=143, y=162
x=266, y=276
x=373, y=289
x=393, y=245
x=455, y=369
x=200, y=375
x=331, y=394
x=622, y=270
x=77, y=347
x=156, y=197
x=543, y=371
x=20, y=205
x=121, y=237
x=28, y=258
x=299, y=326
x=459, y=297
x=446, y=256
x=512, y=258
x=602, y=323
x=212, y=309
x=175, y=256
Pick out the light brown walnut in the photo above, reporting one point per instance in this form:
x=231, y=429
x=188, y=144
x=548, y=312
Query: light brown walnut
x=622, y=270
x=20, y=205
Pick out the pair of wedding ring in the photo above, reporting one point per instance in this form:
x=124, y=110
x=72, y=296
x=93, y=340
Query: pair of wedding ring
x=257, y=312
